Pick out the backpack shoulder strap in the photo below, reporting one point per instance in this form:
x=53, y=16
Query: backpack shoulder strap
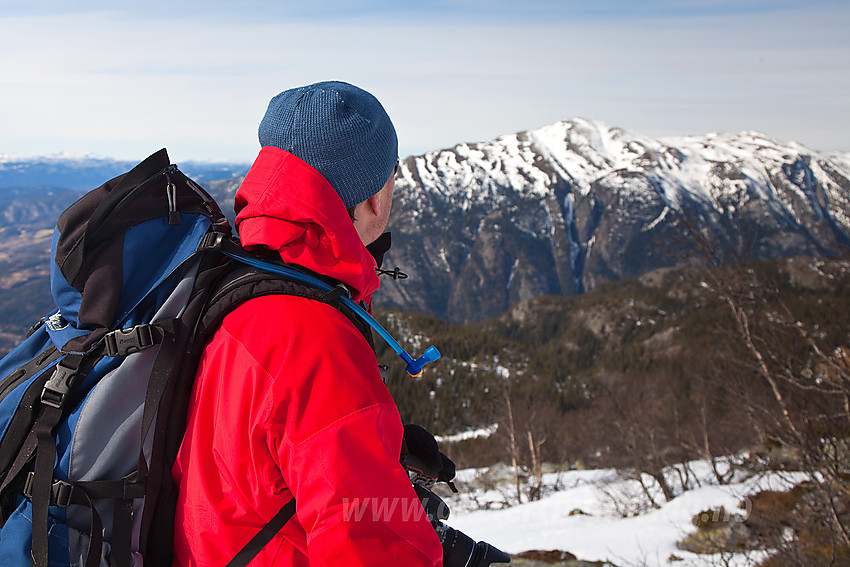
x=244, y=282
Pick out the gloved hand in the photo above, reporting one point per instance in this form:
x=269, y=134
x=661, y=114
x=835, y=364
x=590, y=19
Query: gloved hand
x=421, y=456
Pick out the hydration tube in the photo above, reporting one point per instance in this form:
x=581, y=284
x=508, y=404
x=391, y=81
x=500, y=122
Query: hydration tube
x=414, y=366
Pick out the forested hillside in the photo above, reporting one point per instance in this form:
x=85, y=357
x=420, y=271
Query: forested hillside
x=654, y=367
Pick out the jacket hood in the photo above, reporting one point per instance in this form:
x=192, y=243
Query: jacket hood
x=285, y=205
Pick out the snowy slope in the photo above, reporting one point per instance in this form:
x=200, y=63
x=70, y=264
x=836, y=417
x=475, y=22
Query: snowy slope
x=582, y=514
x=584, y=151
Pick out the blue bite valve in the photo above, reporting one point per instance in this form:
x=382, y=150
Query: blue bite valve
x=414, y=367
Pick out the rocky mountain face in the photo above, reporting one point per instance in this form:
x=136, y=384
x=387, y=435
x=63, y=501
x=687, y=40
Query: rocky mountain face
x=559, y=210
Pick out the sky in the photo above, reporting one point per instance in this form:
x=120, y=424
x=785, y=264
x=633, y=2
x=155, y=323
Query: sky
x=124, y=79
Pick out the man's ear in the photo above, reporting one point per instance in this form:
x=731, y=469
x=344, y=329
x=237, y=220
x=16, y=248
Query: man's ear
x=374, y=204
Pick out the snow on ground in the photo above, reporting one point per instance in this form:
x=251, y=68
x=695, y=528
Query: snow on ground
x=583, y=513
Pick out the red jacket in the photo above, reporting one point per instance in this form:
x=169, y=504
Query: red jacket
x=289, y=402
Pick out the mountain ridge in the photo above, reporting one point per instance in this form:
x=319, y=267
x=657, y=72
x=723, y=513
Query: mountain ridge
x=583, y=202
x=566, y=207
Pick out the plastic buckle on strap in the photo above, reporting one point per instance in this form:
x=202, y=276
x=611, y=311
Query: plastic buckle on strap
x=211, y=241
x=60, y=492
x=57, y=387
x=127, y=341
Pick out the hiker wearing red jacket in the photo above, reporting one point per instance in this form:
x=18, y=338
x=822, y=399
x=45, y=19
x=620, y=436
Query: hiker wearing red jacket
x=288, y=401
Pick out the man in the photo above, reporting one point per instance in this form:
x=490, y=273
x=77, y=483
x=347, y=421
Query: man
x=289, y=401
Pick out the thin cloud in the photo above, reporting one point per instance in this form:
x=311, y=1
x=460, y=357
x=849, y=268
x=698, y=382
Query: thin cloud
x=102, y=81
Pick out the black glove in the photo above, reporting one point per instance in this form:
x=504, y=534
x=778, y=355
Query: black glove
x=422, y=458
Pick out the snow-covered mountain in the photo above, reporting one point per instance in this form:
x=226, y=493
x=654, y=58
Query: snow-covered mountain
x=567, y=207
x=558, y=210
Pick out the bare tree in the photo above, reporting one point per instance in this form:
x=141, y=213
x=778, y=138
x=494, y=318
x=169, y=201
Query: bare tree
x=535, y=491
x=806, y=374
x=513, y=446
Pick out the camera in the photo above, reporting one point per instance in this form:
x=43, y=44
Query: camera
x=459, y=550
x=426, y=465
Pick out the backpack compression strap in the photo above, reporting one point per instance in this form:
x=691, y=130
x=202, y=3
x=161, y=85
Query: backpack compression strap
x=264, y=536
x=54, y=397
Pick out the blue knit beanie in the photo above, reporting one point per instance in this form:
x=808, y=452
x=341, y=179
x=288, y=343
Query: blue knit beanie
x=340, y=130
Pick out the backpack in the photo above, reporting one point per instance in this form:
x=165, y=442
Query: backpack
x=93, y=402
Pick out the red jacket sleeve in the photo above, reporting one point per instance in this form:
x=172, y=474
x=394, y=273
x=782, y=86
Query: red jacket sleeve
x=335, y=434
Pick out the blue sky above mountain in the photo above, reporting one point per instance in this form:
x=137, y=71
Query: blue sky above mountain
x=124, y=80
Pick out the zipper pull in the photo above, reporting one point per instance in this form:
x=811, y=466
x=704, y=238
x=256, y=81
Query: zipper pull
x=171, y=194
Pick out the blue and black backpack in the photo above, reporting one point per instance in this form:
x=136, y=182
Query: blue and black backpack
x=93, y=402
